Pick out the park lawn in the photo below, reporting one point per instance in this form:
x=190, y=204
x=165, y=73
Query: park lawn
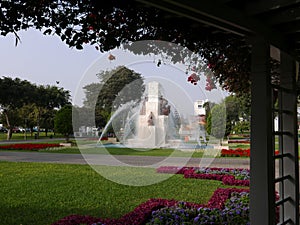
x=21, y=136
x=42, y=193
x=242, y=146
x=114, y=151
x=247, y=146
x=127, y=151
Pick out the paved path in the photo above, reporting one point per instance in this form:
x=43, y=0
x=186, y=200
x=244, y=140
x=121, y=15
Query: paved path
x=122, y=160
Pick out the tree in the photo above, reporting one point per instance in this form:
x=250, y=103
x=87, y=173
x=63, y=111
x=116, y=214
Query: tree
x=28, y=113
x=244, y=106
x=241, y=127
x=11, y=119
x=115, y=88
x=236, y=107
x=47, y=121
x=232, y=108
x=82, y=116
x=217, y=120
x=14, y=93
x=21, y=100
x=47, y=98
x=208, y=106
x=232, y=112
x=63, y=121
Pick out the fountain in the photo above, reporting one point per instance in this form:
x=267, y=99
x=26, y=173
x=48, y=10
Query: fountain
x=151, y=123
x=153, y=126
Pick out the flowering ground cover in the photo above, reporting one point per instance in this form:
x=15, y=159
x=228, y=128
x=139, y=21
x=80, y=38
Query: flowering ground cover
x=238, y=152
x=226, y=205
x=228, y=176
x=243, y=141
x=234, y=210
x=29, y=146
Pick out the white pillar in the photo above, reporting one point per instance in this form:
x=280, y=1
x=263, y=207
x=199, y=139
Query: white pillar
x=262, y=188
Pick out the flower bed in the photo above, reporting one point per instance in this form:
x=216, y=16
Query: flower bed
x=238, y=152
x=28, y=146
x=235, y=177
x=149, y=211
x=227, y=178
x=238, y=173
x=234, y=209
x=226, y=206
x=235, y=152
x=173, y=169
x=243, y=141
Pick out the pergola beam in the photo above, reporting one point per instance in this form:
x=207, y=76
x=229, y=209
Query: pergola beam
x=222, y=17
x=294, y=36
x=288, y=28
x=223, y=1
x=289, y=15
x=195, y=15
x=257, y=7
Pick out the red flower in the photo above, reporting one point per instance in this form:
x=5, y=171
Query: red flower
x=92, y=16
x=142, y=213
x=193, y=78
x=29, y=146
x=235, y=152
x=111, y=57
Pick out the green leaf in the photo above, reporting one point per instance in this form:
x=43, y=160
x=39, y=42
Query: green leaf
x=48, y=31
x=78, y=46
x=63, y=37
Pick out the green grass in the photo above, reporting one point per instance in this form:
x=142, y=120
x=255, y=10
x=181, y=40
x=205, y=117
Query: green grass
x=21, y=136
x=127, y=151
x=242, y=146
x=41, y=193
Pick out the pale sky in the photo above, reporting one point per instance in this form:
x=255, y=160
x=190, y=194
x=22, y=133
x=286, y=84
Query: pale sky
x=44, y=60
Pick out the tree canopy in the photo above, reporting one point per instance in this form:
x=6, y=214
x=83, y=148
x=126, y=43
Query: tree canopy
x=20, y=99
x=63, y=121
x=117, y=23
x=218, y=121
x=115, y=88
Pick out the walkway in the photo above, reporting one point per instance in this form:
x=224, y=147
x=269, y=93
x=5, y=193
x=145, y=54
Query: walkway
x=118, y=160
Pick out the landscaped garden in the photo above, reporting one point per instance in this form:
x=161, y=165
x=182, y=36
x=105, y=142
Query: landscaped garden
x=235, y=150
x=58, y=194
x=40, y=193
x=226, y=206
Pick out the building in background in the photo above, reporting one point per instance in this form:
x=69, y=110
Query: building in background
x=199, y=108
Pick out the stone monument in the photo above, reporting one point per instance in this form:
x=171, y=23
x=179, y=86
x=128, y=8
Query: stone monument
x=153, y=120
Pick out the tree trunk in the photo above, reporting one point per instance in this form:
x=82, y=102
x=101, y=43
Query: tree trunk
x=67, y=136
x=38, y=122
x=9, y=128
x=9, y=134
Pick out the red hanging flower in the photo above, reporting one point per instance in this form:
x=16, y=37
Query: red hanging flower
x=111, y=57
